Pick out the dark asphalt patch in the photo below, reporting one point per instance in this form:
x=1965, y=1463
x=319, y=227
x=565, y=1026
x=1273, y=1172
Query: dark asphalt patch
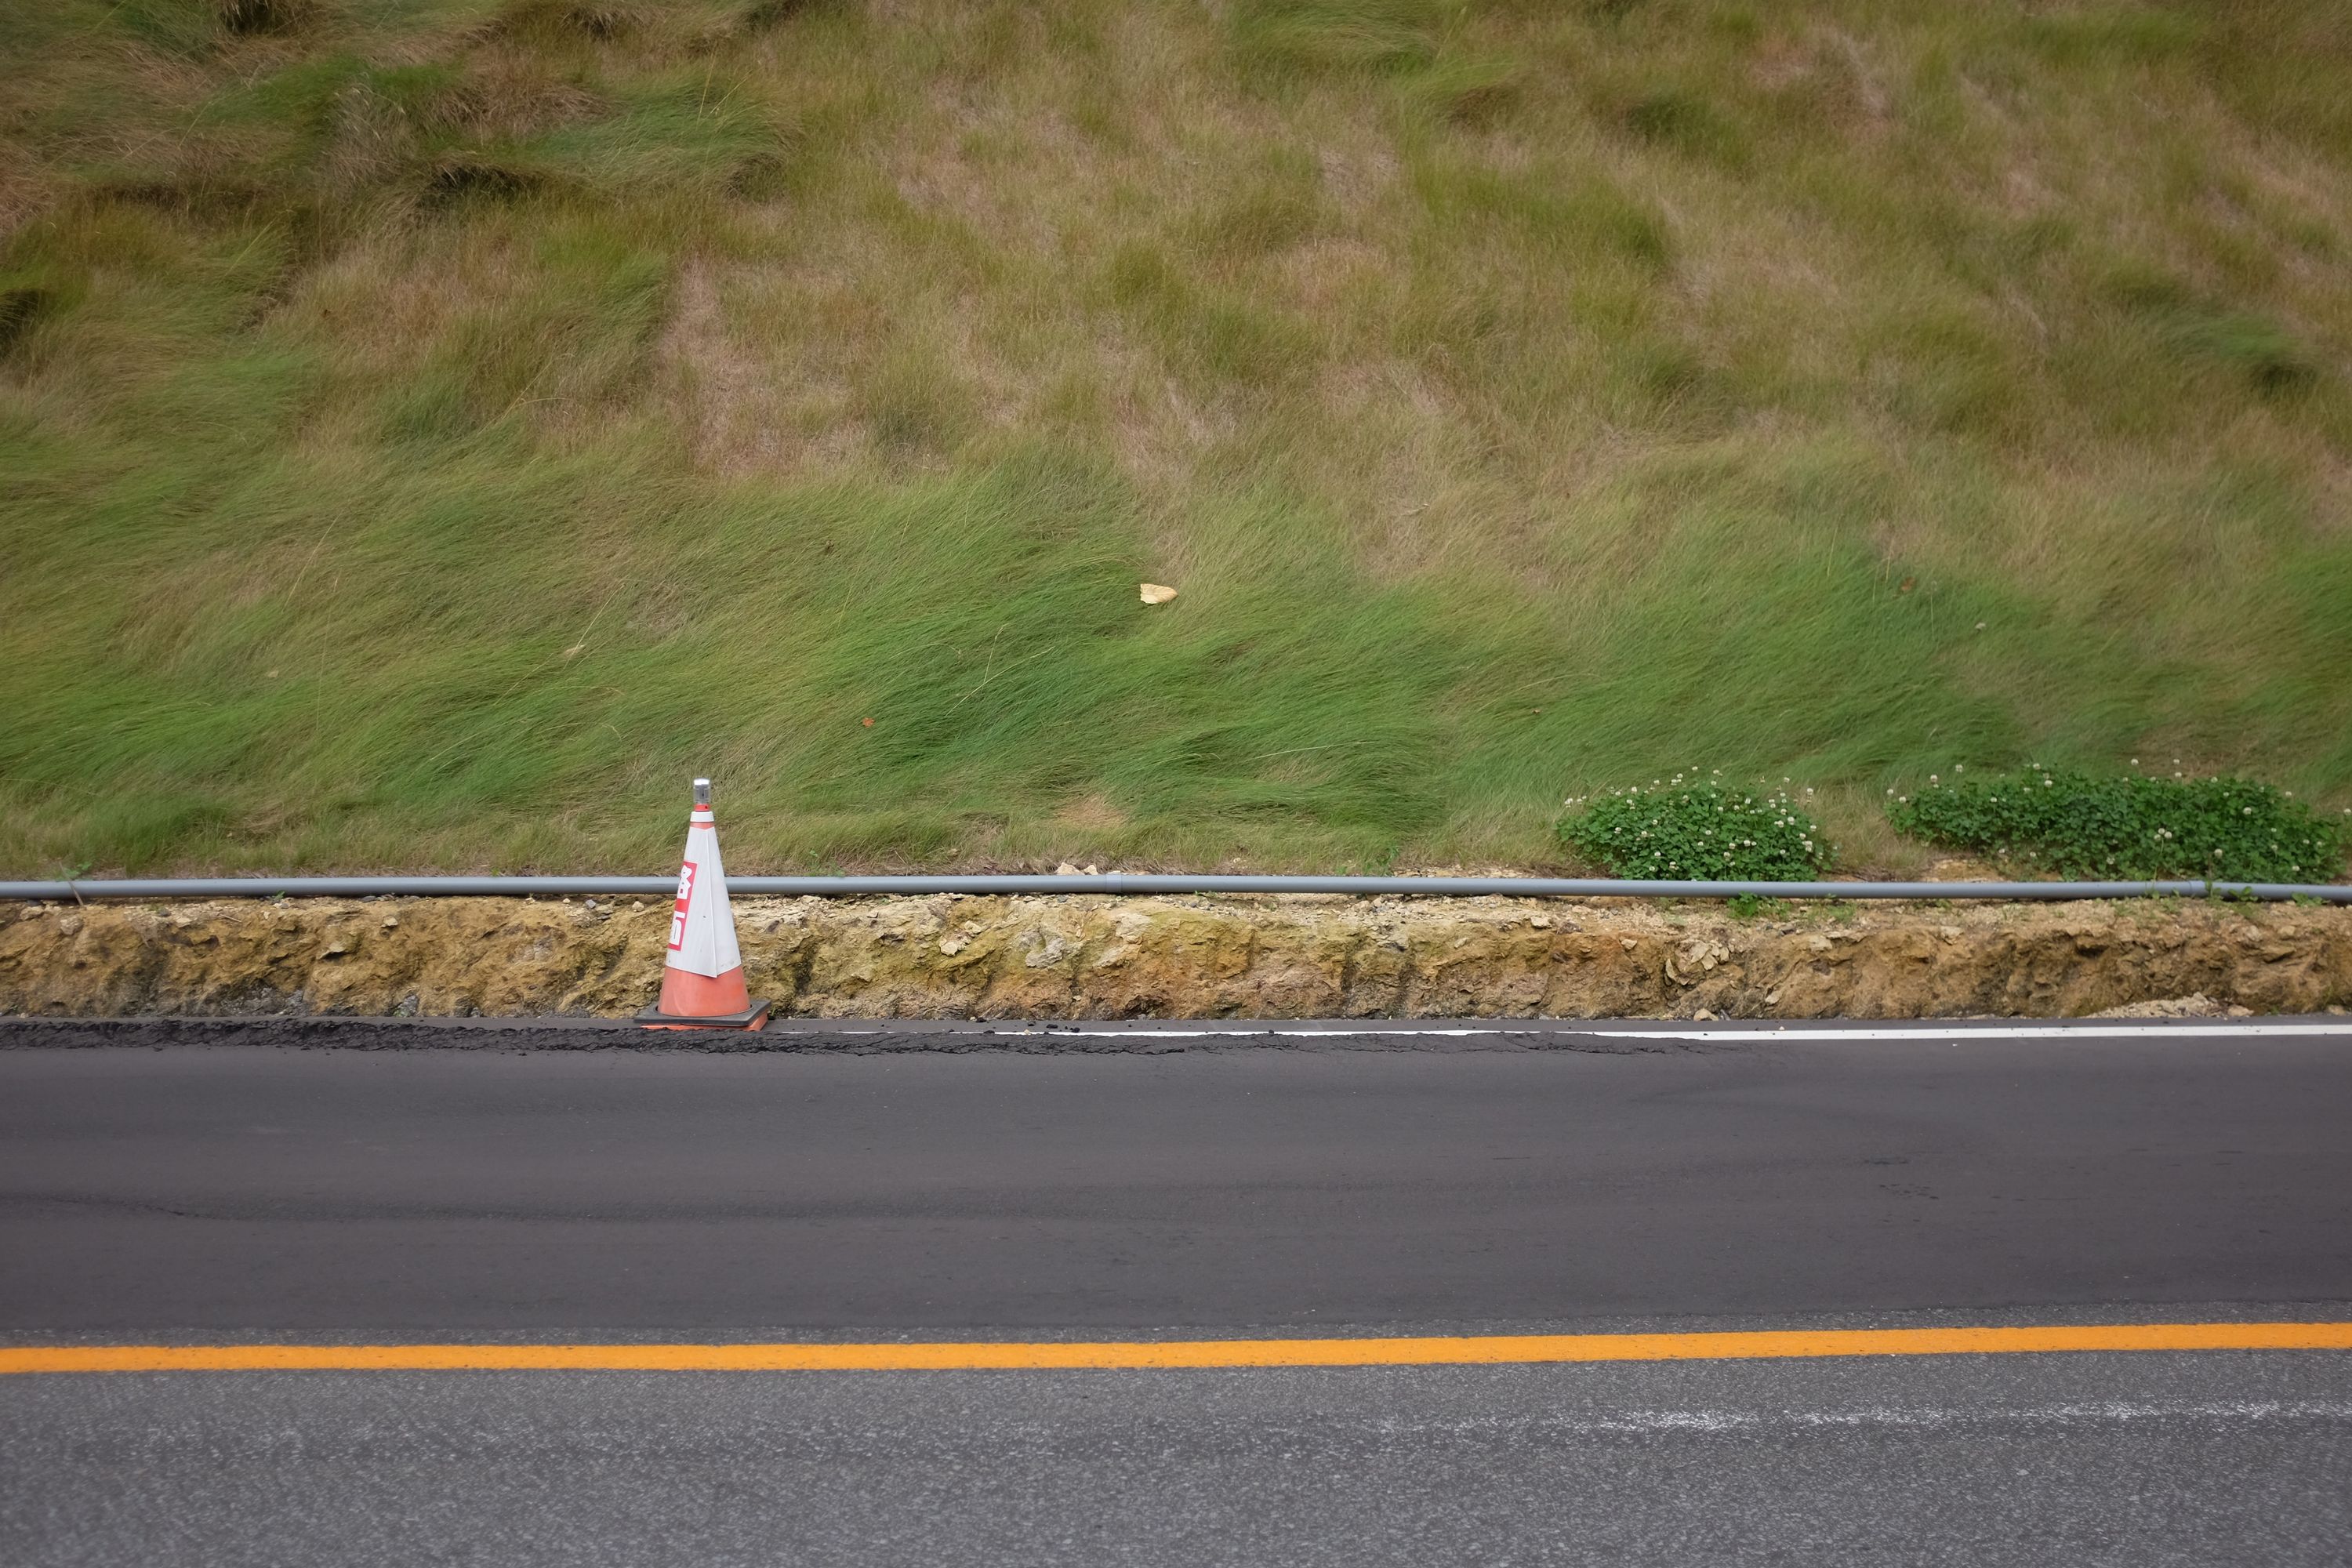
x=442, y=1193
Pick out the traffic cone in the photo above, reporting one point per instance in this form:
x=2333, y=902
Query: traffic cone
x=702, y=978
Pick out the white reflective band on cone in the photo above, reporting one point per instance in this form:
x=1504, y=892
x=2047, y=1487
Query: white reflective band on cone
x=703, y=926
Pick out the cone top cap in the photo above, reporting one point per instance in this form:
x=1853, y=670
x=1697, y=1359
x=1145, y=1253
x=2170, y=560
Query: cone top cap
x=702, y=792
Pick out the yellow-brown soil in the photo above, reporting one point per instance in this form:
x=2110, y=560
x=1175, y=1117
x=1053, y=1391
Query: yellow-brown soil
x=1184, y=958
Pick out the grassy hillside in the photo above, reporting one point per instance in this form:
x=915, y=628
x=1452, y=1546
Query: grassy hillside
x=430, y=430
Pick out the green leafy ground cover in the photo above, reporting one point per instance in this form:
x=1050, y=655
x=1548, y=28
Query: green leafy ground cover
x=432, y=429
x=2036, y=822
x=1699, y=831
x=2129, y=825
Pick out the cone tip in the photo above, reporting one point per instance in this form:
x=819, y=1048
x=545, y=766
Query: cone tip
x=702, y=792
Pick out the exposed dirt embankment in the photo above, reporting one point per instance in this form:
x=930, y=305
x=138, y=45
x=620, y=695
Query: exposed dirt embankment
x=1183, y=957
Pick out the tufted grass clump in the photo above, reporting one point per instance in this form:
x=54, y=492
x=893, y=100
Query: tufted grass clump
x=2134, y=826
x=1680, y=830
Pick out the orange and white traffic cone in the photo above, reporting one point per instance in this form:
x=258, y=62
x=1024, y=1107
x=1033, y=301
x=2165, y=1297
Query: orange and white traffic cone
x=702, y=978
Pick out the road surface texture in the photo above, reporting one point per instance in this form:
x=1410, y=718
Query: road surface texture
x=261, y=1183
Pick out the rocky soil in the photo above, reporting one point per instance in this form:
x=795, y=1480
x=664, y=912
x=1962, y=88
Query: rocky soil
x=1187, y=958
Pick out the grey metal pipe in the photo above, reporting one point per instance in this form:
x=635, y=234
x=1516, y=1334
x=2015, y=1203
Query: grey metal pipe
x=1134, y=882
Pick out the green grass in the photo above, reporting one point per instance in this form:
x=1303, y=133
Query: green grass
x=430, y=431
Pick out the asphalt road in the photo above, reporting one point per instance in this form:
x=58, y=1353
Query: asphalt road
x=2068, y=1460
x=460, y=1192
x=240, y=1192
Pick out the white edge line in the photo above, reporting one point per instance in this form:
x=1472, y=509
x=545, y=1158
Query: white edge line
x=1997, y=1032
x=1714, y=1421
x=1924, y=1032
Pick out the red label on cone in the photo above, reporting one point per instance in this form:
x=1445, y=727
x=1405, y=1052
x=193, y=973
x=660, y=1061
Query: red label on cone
x=684, y=899
x=702, y=973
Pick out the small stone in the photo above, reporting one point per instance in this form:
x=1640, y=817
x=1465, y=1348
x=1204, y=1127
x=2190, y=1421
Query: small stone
x=1704, y=1017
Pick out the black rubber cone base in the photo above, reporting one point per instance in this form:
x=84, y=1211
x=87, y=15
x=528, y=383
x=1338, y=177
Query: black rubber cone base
x=755, y=1016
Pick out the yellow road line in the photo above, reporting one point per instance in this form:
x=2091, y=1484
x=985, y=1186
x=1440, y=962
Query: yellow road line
x=1484, y=1350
